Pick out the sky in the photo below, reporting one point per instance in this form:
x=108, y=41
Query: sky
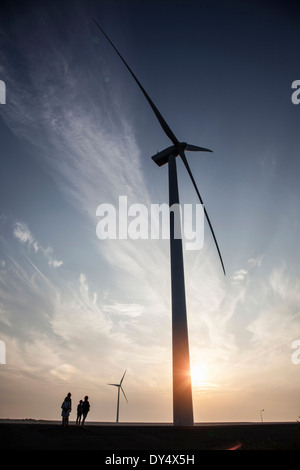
x=76, y=132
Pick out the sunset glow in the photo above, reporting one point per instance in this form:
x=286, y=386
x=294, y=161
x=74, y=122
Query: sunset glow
x=199, y=375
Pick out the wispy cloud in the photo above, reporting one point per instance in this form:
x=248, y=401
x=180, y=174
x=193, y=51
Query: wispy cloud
x=91, y=146
x=22, y=233
x=239, y=275
x=256, y=262
x=58, y=329
x=83, y=136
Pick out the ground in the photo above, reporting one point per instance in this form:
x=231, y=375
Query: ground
x=38, y=435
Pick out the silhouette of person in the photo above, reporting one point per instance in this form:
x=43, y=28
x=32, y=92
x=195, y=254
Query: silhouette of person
x=79, y=412
x=66, y=409
x=85, y=409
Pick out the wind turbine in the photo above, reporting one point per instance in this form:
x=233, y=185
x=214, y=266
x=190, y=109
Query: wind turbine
x=119, y=388
x=182, y=387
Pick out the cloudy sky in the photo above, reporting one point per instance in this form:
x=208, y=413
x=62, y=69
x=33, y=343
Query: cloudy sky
x=75, y=133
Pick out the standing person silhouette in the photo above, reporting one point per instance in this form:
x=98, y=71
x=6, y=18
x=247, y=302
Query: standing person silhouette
x=66, y=409
x=79, y=412
x=85, y=409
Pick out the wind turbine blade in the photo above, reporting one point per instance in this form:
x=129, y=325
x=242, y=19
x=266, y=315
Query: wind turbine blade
x=182, y=154
x=195, y=148
x=123, y=377
x=161, y=120
x=115, y=385
x=124, y=394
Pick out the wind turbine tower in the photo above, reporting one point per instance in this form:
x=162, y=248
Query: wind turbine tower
x=182, y=387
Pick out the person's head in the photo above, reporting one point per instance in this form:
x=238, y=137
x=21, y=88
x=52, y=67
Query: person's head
x=86, y=397
x=80, y=401
x=69, y=395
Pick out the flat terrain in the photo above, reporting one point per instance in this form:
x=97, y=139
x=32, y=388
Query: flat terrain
x=39, y=435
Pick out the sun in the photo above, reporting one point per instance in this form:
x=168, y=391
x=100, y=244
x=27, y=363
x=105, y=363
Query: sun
x=198, y=374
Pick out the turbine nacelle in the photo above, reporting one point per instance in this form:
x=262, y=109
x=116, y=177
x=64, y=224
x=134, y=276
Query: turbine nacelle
x=162, y=157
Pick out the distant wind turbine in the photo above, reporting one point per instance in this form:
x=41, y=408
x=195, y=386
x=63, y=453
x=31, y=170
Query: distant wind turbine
x=182, y=387
x=119, y=388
